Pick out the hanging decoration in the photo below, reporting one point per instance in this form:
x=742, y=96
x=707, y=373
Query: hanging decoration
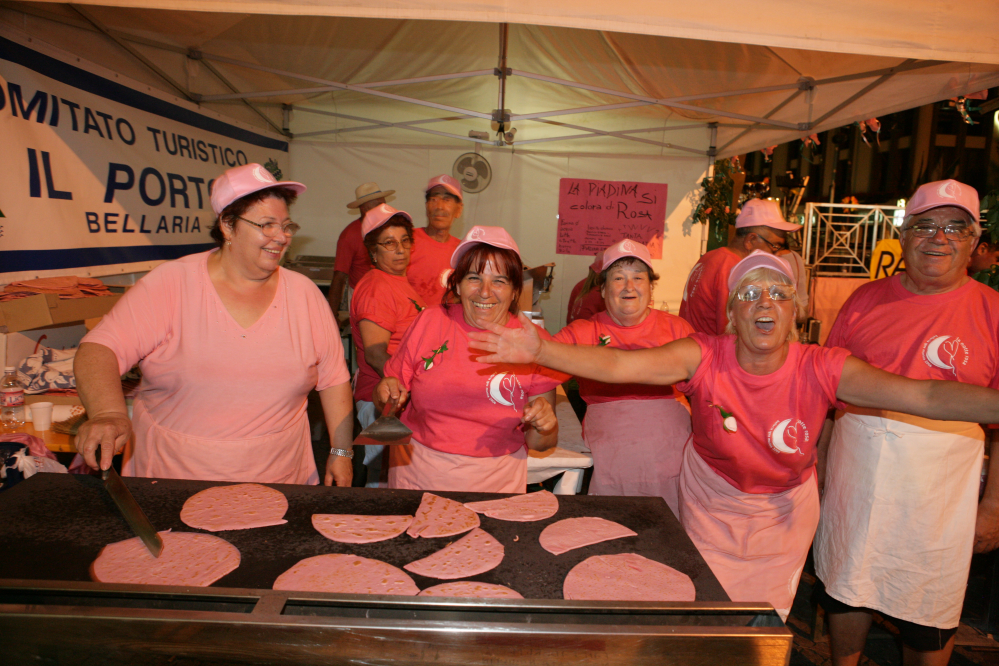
x=811, y=142
x=872, y=124
x=768, y=153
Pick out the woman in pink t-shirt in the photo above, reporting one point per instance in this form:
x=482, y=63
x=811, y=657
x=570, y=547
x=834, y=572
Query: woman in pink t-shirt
x=383, y=306
x=230, y=345
x=472, y=425
x=635, y=432
x=748, y=497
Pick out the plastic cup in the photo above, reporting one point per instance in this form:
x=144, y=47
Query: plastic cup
x=41, y=415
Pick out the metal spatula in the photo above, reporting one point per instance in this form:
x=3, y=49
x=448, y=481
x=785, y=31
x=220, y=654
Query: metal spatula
x=131, y=511
x=387, y=430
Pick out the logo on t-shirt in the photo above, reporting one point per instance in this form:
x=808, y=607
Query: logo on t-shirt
x=692, y=280
x=945, y=352
x=503, y=388
x=787, y=436
x=603, y=340
x=428, y=362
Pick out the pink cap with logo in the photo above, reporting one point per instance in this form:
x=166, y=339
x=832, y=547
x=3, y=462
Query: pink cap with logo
x=448, y=183
x=763, y=213
x=378, y=216
x=758, y=259
x=495, y=236
x=626, y=248
x=945, y=193
x=239, y=181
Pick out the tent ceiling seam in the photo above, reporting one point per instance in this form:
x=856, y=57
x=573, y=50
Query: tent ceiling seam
x=770, y=113
x=863, y=91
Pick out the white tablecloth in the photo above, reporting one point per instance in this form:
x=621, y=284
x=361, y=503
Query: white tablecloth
x=570, y=456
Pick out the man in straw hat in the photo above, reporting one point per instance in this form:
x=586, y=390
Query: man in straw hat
x=352, y=258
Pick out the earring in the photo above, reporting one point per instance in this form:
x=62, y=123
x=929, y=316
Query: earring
x=228, y=243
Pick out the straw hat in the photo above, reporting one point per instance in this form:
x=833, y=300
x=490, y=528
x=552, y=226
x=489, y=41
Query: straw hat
x=368, y=192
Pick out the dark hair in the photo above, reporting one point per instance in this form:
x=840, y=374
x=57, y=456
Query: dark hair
x=506, y=262
x=397, y=220
x=628, y=261
x=239, y=207
x=742, y=232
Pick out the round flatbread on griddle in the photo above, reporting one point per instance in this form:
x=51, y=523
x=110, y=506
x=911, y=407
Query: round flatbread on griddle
x=236, y=507
x=346, y=574
x=348, y=528
x=441, y=517
x=565, y=535
x=474, y=553
x=521, y=508
x=188, y=558
x=626, y=577
x=470, y=588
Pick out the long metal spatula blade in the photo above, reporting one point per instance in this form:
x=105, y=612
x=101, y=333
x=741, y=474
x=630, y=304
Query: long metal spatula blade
x=387, y=430
x=130, y=510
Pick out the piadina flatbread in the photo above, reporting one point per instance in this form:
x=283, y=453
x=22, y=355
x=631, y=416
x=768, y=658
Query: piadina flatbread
x=237, y=507
x=188, y=558
x=441, y=517
x=474, y=553
x=471, y=588
x=626, y=577
x=521, y=508
x=347, y=528
x=346, y=574
x=565, y=535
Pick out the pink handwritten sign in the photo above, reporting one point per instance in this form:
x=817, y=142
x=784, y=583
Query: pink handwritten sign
x=593, y=214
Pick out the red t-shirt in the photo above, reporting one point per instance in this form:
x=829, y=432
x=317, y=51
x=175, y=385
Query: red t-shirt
x=778, y=417
x=951, y=336
x=390, y=302
x=352, y=257
x=430, y=265
x=657, y=329
x=706, y=291
x=590, y=304
x=457, y=405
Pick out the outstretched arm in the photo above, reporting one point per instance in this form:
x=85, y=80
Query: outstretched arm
x=866, y=386
x=669, y=364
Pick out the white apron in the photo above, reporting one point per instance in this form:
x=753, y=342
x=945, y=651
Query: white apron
x=284, y=457
x=755, y=543
x=418, y=467
x=637, y=447
x=898, y=515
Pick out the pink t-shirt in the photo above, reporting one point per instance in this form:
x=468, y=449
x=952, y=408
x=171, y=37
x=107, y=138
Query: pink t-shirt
x=387, y=301
x=590, y=304
x=656, y=329
x=457, y=405
x=430, y=265
x=777, y=417
x=952, y=336
x=204, y=375
x=352, y=257
x=706, y=291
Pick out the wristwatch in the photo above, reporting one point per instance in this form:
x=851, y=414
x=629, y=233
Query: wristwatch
x=343, y=453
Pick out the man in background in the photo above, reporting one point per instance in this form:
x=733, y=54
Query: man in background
x=433, y=245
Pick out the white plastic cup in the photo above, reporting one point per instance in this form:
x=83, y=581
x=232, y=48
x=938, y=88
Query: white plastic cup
x=41, y=415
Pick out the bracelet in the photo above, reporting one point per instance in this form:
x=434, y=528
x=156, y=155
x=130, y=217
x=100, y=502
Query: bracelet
x=343, y=453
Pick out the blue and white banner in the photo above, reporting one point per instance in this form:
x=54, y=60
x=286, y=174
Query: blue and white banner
x=101, y=177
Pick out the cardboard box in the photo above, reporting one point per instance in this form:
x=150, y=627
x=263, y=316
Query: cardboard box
x=43, y=310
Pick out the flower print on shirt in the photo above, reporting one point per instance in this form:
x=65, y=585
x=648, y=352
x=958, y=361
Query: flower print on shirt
x=604, y=340
x=728, y=420
x=429, y=362
x=416, y=305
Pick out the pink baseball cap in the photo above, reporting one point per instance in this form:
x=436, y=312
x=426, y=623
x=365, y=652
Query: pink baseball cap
x=758, y=259
x=448, y=183
x=626, y=248
x=239, y=181
x=495, y=236
x=763, y=213
x=378, y=216
x=598, y=262
x=945, y=193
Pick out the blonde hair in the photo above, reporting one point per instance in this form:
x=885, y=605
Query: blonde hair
x=764, y=273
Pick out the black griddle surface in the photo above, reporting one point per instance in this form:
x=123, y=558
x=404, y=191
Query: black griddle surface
x=52, y=527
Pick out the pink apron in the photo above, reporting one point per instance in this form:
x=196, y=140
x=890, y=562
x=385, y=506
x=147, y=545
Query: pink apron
x=417, y=467
x=284, y=457
x=755, y=544
x=637, y=447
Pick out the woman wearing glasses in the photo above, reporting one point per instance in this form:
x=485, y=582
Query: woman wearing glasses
x=383, y=306
x=748, y=497
x=229, y=345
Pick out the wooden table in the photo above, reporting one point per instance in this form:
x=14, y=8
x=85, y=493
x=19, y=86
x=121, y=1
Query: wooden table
x=55, y=441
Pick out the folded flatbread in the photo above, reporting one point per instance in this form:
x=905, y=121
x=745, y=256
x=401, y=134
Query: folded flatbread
x=346, y=574
x=474, y=553
x=565, y=535
x=470, y=588
x=347, y=528
x=440, y=517
x=626, y=577
x=522, y=508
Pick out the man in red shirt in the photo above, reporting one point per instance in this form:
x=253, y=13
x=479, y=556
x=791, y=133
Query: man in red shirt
x=352, y=259
x=759, y=226
x=984, y=256
x=433, y=245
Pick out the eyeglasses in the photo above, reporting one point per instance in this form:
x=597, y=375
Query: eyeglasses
x=778, y=292
x=443, y=197
x=272, y=229
x=954, y=232
x=774, y=247
x=393, y=245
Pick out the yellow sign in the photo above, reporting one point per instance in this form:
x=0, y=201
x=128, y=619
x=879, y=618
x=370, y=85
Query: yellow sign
x=886, y=259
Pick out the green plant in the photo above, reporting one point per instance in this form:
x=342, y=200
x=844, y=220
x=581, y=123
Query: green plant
x=715, y=207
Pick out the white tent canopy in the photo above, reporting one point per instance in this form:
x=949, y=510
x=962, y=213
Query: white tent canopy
x=654, y=78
